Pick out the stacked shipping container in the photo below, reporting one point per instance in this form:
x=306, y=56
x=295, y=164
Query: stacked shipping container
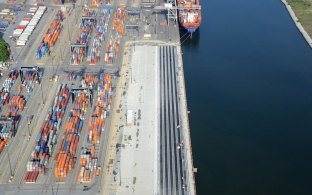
x=65, y=158
x=46, y=138
x=28, y=24
x=86, y=26
x=95, y=52
x=9, y=82
x=88, y=159
x=89, y=81
x=51, y=36
x=88, y=165
x=112, y=47
x=16, y=103
x=95, y=3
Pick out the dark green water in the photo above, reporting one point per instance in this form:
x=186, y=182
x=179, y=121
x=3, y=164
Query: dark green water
x=249, y=85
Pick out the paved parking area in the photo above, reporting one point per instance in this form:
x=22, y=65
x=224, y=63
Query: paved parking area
x=138, y=150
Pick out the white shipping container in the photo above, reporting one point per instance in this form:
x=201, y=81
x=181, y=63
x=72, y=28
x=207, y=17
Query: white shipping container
x=38, y=14
x=42, y=8
x=6, y=10
x=34, y=20
x=17, y=32
x=23, y=37
x=20, y=43
x=33, y=9
x=33, y=23
x=29, y=28
x=23, y=23
x=27, y=33
x=37, y=18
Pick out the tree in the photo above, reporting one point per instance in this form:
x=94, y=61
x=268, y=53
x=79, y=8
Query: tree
x=4, y=50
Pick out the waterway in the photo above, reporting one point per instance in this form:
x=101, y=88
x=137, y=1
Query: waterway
x=249, y=88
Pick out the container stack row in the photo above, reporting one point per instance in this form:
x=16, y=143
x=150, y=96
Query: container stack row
x=3, y=141
x=28, y=24
x=16, y=103
x=9, y=82
x=89, y=81
x=22, y=25
x=4, y=98
x=6, y=132
x=94, y=54
x=30, y=76
x=7, y=127
x=100, y=111
x=46, y=138
x=51, y=36
x=65, y=158
x=80, y=50
x=112, y=47
x=89, y=166
x=95, y=3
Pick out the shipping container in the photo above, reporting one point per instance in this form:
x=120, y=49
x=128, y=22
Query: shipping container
x=51, y=36
x=46, y=139
x=94, y=54
x=65, y=158
x=79, y=49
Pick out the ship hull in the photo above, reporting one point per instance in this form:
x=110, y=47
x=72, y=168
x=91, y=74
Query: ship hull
x=190, y=19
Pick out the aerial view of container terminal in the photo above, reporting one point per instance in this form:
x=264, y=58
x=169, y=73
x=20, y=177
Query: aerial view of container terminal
x=93, y=97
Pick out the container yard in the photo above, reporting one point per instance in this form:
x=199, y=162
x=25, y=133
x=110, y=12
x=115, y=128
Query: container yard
x=79, y=49
x=67, y=124
x=66, y=157
x=46, y=138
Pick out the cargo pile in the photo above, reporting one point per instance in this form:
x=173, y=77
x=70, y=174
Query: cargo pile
x=6, y=132
x=96, y=121
x=51, y=36
x=112, y=47
x=10, y=11
x=88, y=165
x=95, y=3
x=9, y=82
x=119, y=19
x=4, y=98
x=28, y=24
x=29, y=76
x=31, y=176
x=88, y=81
x=16, y=103
x=46, y=138
x=94, y=54
x=79, y=49
x=65, y=158
x=3, y=141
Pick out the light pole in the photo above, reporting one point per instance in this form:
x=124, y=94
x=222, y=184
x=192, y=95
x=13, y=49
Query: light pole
x=53, y=56
x=11, y=172
x=29, y=133
x=41, y=93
